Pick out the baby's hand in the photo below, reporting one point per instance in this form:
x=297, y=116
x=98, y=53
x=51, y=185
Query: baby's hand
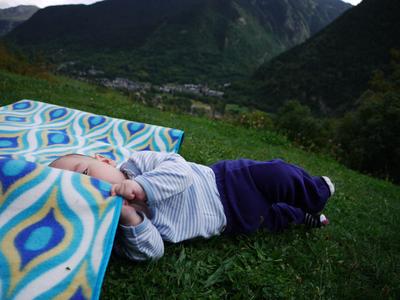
x=129, y=216
x=129, y=189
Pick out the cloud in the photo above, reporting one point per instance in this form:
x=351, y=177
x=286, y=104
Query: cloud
x=354, y=2
x=42, y=3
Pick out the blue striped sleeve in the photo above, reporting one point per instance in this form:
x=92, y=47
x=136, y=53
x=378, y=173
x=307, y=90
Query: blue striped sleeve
x=140, y=242
x=163, y=175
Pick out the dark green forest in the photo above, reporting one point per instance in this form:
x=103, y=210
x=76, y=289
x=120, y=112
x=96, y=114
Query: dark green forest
x=330, y=71
x=186, y=41
x=367, y=138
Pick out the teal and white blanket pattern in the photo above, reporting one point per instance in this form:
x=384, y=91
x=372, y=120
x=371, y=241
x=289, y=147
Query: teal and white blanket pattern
x=56, y=232
x=40, y=132
x=57, y=227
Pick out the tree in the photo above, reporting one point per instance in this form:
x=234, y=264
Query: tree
x=296, y=121
x=369, y=137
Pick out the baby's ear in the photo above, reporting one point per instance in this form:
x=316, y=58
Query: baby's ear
x=106, y=160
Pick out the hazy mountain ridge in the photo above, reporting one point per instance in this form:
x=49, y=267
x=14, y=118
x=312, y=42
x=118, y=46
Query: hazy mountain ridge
x=330, y=71
x=14, y=16
x=174, y=40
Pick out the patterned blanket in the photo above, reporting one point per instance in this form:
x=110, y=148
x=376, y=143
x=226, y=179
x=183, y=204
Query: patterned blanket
x=57, y=227
x=40, y=132
x=56, y=232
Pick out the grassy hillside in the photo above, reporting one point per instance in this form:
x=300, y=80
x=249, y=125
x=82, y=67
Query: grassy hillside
x=356, y=256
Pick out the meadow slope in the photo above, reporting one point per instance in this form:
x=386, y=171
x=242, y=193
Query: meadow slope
x=356, y=256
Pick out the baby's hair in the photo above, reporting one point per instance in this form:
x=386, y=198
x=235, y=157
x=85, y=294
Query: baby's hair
x=67, y=155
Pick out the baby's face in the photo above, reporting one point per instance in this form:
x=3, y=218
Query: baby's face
x=98, y=167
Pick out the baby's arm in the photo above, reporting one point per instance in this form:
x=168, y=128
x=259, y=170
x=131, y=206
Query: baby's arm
x=137, y=238
x=161, y=175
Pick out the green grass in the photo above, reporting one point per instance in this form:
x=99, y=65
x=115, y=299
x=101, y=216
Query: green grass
x=357, y=256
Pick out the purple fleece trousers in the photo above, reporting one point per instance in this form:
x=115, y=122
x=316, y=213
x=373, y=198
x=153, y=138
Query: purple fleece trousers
x=269, y=194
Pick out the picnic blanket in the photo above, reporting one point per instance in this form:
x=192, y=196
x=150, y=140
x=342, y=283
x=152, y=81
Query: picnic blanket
x=57, y=227
x=40, y=132
x=56, y=232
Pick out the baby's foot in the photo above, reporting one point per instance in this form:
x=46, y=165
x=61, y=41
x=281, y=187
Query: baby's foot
x=315, y=221
x=330, y=184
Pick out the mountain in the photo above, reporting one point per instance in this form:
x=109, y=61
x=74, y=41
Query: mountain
x=172, y=40
x=14, y=16
x=330, y=71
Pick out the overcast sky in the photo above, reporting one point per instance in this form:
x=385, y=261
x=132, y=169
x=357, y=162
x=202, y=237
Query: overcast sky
x=44, y=3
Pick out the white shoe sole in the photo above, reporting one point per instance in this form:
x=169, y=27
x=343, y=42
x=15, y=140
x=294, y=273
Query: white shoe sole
x=330, y=184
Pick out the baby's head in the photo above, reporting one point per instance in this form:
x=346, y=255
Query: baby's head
x=98, y=166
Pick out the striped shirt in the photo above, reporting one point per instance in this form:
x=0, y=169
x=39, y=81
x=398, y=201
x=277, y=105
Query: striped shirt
x=183, y=199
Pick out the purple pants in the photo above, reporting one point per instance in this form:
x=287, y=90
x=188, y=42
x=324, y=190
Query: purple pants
x=269, y=194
